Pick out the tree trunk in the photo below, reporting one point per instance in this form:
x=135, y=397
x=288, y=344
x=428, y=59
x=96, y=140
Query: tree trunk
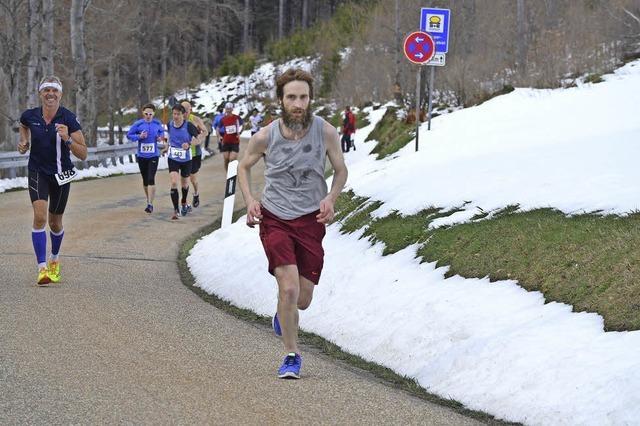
x=79, y=55
x=11, y=73
x=246, y=43
x=34, y=53
x=139, y=72
x=204, y=59
x=396, y=72
x=281, y=19
x=48, y=48
x=91, y=128
x=305, y=14
x=111, y=98
x=164, y=55
x=521, y=41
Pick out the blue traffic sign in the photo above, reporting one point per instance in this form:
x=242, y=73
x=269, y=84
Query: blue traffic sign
x=435, y=22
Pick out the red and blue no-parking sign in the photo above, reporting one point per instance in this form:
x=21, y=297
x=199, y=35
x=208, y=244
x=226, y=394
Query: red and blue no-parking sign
x=419, y=47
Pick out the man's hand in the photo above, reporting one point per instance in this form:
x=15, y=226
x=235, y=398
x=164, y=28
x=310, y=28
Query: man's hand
x=254, y=214
x=326, y=211
x=63, y=131
x=23, y=146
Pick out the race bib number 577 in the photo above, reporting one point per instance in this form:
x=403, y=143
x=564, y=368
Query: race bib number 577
x=66, y=177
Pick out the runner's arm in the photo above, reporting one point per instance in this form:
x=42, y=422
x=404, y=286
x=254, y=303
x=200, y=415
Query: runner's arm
x=25, y=137
x=340, y=173
x=78, y=147
x=202, y=130
x=255, y=151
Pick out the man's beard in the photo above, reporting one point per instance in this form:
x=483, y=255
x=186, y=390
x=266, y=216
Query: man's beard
x=294, y=123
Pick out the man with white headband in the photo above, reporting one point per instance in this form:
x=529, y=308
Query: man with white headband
x=52, y=132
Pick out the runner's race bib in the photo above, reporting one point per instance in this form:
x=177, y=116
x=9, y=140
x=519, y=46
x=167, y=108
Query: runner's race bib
x=148, y=148
x=230, y=129
x=66, y=177
x=178, y=153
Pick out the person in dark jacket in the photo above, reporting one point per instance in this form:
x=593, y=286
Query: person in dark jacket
x=348, y=129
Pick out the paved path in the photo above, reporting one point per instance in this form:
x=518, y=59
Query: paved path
x=122, y=340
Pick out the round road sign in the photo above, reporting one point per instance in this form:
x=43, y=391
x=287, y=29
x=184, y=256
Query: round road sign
x=419, y=47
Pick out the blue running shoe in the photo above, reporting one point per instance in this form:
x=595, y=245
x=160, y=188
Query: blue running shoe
x=184, y=210
x=276, y=325
x=290, y=368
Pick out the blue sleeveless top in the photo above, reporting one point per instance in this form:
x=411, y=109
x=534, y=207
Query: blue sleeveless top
x=178, y=136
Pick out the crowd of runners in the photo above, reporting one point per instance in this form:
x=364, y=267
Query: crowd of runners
x=292, y=212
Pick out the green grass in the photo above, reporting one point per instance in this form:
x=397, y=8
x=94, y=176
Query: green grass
x=591, y=262
x=313, y=342
x=594, y=78
x=391, y=134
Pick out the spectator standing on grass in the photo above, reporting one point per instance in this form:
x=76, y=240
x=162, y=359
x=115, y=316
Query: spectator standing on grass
x=348, y=129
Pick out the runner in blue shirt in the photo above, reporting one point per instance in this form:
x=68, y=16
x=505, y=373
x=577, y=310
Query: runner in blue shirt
x=216, y=124
x=53, y=133
x=181, y=135
x=147, y=131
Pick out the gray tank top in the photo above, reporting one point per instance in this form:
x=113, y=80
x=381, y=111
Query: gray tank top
x=294, y=182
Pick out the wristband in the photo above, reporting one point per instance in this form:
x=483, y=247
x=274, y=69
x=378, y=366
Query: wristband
x=68, y=142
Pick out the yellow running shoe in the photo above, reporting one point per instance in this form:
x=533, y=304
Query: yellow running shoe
x=54, y=271
x=43, y=276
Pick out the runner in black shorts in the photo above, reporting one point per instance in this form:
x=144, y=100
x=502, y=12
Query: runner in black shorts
x=181, y=135
x=148, y=132
x=196, y=150
x=52, y=132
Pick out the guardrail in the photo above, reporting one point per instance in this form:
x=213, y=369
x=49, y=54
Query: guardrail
x=13, y=164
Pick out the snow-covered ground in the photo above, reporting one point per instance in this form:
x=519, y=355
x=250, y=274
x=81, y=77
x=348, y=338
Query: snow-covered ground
x=492, y=346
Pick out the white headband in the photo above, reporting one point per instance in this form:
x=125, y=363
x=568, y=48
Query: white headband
x=51, y=84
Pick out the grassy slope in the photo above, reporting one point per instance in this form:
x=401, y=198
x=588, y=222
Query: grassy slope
x=591, y=262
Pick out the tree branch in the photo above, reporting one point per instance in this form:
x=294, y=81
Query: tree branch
x=632, y=15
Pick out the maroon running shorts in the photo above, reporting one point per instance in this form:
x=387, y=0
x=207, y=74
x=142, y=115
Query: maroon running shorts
x=293, y=242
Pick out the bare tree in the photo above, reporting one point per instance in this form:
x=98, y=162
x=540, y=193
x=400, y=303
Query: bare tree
x=281, y=6
x=521, y=42
x=48, y=47
x=33, y=72
x=305, y=14
x=80, y=66
x=246, y=44
x=12, y=65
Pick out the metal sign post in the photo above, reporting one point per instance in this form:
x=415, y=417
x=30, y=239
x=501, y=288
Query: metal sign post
x=419, y=48
x=418, y=106
x=433, y=71
x=435, y=22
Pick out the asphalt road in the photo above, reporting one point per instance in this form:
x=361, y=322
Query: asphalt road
x=122, y=340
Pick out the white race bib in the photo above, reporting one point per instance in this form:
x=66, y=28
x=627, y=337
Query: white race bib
x=148, y=148
x=178, y=153
x=230, y=129
x=66, y=177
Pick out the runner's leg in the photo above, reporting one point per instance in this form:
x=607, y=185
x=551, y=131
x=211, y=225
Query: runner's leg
x=288, y=294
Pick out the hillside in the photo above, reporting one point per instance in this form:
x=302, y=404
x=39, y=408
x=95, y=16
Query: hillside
x=491, y=345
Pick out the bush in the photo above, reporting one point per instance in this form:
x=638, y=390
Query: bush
x=242, y=64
